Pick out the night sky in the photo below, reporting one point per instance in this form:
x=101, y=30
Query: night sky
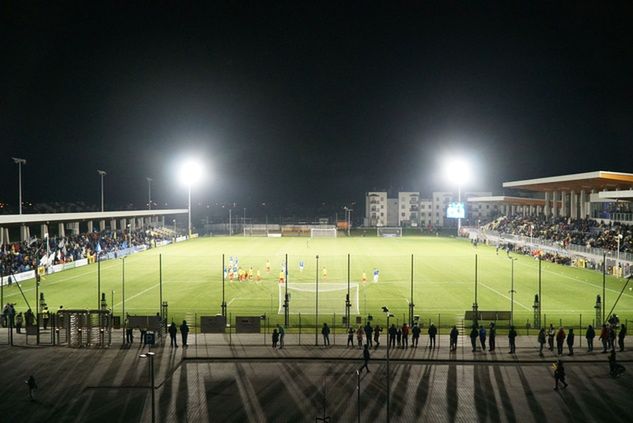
x=296, y=105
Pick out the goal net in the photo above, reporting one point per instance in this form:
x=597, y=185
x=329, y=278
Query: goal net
x=302, y=297
x=255, y=231
x=323, y=232
x=389, y=232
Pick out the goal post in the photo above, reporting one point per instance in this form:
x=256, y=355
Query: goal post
x=302, y=297
x=323, y=232
x=389, y=232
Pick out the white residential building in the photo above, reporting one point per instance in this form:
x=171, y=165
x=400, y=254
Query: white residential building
x=376, y=209
x=408, y=209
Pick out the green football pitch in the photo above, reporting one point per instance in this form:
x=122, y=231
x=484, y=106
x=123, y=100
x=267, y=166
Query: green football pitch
x=443, y=278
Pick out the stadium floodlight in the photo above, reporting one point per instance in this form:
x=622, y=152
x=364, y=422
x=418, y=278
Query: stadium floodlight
x=19, y=162
x=191, y=173
x=101, y=173
x=149, y=192
x=457, y=171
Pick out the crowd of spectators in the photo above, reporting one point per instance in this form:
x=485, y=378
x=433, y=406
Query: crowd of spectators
x=565, y=231
x=23, y=256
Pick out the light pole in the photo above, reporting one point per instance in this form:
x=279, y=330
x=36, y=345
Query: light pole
x=150, y=355
x=512, y=260
x=19, y=162
x=191, y=173
x=102, y=173
x=386, y=311
x=348, y=219
x=149, y=193
x=457, y=171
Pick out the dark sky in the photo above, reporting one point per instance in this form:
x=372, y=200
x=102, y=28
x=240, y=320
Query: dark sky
x=298, y=105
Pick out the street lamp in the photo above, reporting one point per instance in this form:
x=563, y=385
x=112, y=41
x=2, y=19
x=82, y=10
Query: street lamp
x=149, y=193
x=102, y=173
x=150, y=356
x=457, y=171
x=512, y=259
x=190, y=173
x=388, y=314
x=19, y=162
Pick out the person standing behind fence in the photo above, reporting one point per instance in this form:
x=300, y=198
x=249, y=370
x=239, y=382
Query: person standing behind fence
x=325, y=331
x=612, y=336
x=282, y=333
x=350, y=337
x=482, y=337
x=541, y=341
x=590, y=334
x=415, y=335
x=512, y=335
x=492, y=337
x=184, y=332
x=621, y=336
x=570, y=341
x=365, y=358
x=392, y=336
x=377, y=331
x=275, y=338
x=604, y=338
x=405, y=336
x=368, y=332
x=551, y=334
x=453, y=339
x=359, y=336
x=560, y=340
x=432, y=332
x=19, y=321
x=173, y=330
x=474, y=333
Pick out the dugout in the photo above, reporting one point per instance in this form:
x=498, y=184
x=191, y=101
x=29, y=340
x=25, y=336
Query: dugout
x=489, y=316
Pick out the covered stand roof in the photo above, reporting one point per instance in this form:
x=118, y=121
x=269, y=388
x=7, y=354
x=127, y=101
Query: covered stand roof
x=599, y=180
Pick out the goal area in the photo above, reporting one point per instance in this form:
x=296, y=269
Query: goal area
x=389, y=232
x=302, y=297
x=323, y=232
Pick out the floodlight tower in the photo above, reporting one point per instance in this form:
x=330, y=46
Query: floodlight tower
x=19, y=162
x=102, y=173
x=149, y=193
x=457, y=171
x=190, y=174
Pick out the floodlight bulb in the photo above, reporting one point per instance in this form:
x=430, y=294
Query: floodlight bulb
x=457, y=170
x=191, y=172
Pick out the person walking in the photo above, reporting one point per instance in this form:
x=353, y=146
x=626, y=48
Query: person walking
x=359, y=336
x=275, y=338
x=368, y=333
x=551, y=334
x=590, y=334
x=604, y=338
x=570, y=341
x=474, y=333
x=541, y=341
x=392, y=336
x=560, y=340
x=492, y=336
x=366, y=357
x=350, y=337
x=415, y=335
x=325, y=331
x=282, y=333
x=173, y=330
x=482, y=337
x=405, y=336
x=184, y=332
x=512, y=335
x=30, y=382
x=453, y=339
x=559, y=374
x=621, y=336
x=377, y=331
x=432, y=332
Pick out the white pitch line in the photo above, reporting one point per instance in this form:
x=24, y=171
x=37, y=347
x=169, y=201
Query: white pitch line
x=230, y=302
x=140, y=293
x=504, y=296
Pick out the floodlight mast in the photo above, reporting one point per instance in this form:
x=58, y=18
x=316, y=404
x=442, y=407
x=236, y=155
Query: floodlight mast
x=458, y=171
x=102, y=173
x=191, y=173
x=19, y=162
x=149, y=193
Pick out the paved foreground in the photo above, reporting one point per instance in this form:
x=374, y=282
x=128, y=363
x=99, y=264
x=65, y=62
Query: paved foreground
x=247, y=382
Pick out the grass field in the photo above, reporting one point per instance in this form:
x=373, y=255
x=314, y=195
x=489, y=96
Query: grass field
x=444, y=271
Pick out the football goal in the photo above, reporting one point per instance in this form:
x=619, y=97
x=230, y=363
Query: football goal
x=255, y=231
x=388, y=232
x=323, y=232
x=302, y=297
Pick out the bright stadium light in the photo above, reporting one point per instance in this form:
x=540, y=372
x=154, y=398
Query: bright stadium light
x=458, y=172
x=191, y=173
